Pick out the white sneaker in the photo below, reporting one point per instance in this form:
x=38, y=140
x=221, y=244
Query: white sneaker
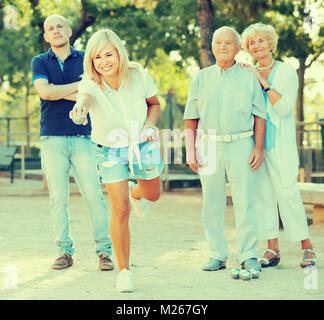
x=124, y=281
x=141, y=206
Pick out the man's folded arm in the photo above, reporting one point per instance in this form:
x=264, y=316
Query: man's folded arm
x=49, y=91
x=72, y=96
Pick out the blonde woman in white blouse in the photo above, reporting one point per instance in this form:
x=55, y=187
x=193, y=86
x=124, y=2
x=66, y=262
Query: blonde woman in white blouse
x=123, y=106
x=277, y=183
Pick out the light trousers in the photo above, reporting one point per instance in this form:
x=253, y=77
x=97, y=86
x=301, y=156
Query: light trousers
x=59, y=154
x=272, y=193
x=232, y=159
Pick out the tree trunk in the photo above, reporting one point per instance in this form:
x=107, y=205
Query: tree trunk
x=171, y=105
x=300, y=101
x=86, y=20
x=205, y=13
x=37, y=23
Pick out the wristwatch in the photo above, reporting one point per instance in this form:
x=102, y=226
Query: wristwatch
x=269, y=88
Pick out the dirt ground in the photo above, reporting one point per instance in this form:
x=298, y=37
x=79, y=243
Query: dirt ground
x=167, y=252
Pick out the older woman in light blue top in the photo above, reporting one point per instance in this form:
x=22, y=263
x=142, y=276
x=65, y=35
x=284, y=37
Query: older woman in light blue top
x=277, y=185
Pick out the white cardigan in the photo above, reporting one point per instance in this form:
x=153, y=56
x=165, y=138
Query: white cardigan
x=286, y=83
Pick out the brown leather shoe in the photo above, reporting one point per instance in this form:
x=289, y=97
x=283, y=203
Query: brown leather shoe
x=63, y=262
x=105, y=263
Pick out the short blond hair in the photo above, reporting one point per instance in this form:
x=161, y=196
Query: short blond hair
x=95, y=44
x=265, y=30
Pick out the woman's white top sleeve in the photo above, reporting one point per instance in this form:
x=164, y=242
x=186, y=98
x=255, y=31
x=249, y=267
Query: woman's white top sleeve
x=87, y=86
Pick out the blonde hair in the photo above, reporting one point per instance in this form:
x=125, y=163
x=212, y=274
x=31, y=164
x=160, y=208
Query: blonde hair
x=265, y=30
x=95, y=44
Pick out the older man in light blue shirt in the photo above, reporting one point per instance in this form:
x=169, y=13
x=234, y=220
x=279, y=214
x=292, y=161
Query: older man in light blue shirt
x=226, y=105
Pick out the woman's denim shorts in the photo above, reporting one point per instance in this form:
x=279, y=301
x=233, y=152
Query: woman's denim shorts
x=114, y=166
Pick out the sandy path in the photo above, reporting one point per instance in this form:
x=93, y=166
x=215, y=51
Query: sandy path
x=167, y=251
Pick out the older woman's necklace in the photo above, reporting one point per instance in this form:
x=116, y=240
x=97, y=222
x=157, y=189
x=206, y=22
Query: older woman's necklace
x=266, y=68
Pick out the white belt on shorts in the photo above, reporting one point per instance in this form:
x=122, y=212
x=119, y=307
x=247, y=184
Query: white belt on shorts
x=229, y=137
x=134, y=148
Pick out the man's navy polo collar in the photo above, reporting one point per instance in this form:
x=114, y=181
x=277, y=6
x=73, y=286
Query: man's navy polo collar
x=73, y=53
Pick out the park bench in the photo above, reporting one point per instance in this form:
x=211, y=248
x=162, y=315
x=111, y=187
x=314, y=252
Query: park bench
x=7, y=160
x=177, y=173
x=313, y=194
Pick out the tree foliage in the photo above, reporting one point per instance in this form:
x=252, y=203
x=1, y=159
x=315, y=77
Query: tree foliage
x=166, y=36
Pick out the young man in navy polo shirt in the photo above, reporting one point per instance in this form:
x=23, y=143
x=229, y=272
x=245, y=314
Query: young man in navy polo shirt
x=64, y=145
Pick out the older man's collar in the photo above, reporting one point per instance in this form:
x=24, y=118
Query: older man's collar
x=227, y=71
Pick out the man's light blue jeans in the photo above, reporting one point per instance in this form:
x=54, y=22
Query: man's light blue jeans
x=59, y=154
